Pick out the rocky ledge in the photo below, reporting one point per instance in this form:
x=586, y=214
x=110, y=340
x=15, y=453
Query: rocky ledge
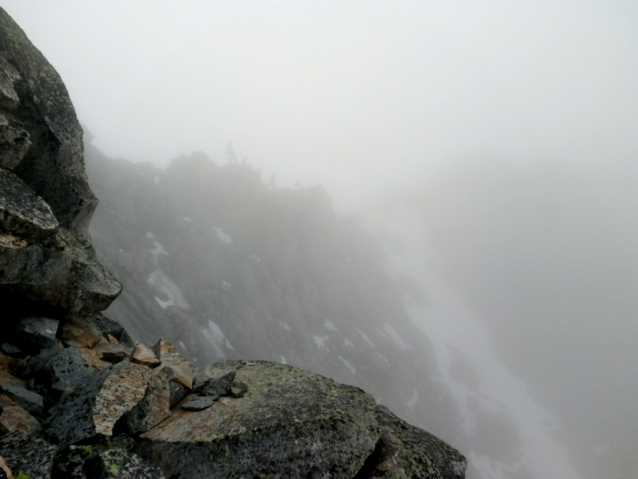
x=80, y=399
x=77, y=402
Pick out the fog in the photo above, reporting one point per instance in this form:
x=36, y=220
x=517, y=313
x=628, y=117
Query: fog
x=504, y=131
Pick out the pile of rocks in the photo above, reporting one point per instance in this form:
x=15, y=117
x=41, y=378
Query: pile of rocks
x=84, y=381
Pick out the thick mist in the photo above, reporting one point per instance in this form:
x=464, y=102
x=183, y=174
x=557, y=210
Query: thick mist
x=491, y=146
x=354, y=95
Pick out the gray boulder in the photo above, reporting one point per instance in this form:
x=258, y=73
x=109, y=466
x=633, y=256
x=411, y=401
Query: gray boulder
x=47, y=263
x=293, y=423
x=66, y=369
x=36, y=333
x=290, y=423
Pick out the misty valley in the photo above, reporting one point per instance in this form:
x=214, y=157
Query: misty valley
x=355, y=240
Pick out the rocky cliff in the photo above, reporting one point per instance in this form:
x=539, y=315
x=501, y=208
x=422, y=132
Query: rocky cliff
x=80, y=399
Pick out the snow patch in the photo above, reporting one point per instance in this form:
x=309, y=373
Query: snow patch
x=413, y=399
x=348, y=343
x=349, y=366
x=187, y=219
x=222, y=235
x=224, y=283
x=158, y=280
x=285, y=325
x=329, y=326
x=384, y=359
x=217, y=339
x=283, y=360
x=366, y=338
x=319, y=341
x=397, y=337
x=256, y=258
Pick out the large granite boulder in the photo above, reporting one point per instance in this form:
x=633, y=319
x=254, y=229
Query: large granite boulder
x=47, y=263
x=293, y=423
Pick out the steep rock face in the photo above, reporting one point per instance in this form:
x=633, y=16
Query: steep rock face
x=47, y=263
x=35, y=100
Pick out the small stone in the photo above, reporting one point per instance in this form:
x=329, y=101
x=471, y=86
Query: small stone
x=219, y=386
x=142, y=354
x=36, y=333
x=32, y=402
x=236, y=392
x=111, y=339
x=238, y=389
x=199, y=403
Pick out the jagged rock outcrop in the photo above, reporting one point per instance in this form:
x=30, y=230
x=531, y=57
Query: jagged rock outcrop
x=79, y=399
x=47, y=263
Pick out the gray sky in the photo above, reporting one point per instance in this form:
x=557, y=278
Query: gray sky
x=356, y=95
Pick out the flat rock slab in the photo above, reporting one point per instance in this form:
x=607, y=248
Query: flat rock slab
x=27, y=455
x=95, y=406
x=22, y=212
x=199, y=403
x=290, y=423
